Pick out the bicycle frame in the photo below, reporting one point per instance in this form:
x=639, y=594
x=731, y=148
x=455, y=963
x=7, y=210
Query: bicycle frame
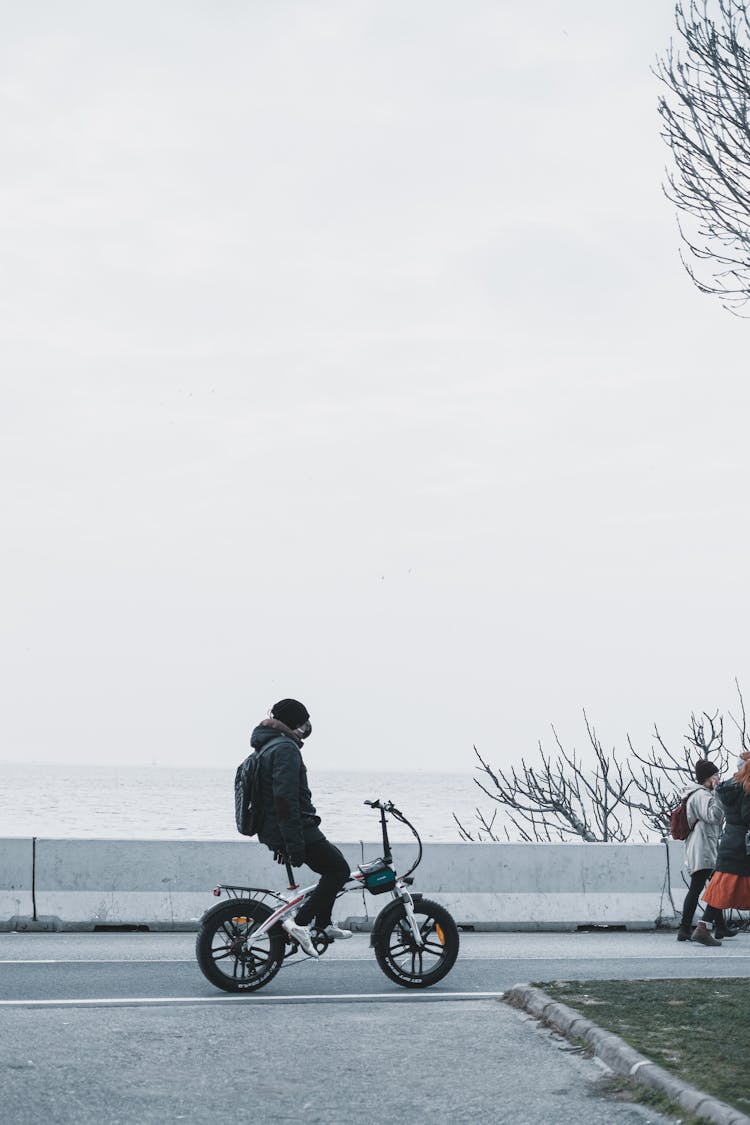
x=291, y=900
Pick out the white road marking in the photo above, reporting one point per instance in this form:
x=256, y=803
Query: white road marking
x=125, y=1001
x=100, y=961
x=694, y=952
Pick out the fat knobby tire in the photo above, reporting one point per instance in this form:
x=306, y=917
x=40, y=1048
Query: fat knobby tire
x=225, y=950
x=400, y=957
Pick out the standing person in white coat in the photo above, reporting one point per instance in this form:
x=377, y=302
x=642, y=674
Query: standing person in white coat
x=705, y=817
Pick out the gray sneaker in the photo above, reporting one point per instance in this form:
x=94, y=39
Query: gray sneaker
x=301, y=935
x=334, y=931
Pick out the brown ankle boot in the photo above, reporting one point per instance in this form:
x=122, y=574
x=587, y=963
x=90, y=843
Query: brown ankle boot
x=703, y=935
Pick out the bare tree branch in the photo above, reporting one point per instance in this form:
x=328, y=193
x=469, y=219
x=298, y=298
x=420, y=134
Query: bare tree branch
x=706, y=124
x=741, y=727
x=598, y=798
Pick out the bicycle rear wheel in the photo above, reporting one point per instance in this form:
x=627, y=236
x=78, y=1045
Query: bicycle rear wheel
x=406, y=962
x=228, y=954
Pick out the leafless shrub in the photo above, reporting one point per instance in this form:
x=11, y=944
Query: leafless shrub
x=705, y=123
x=661, y=774
x=558, y=800
x=605, y=799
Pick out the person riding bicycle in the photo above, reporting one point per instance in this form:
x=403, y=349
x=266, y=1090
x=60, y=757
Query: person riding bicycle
x=289, y=825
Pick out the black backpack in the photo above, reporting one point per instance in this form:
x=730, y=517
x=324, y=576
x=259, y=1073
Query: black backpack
x=248, y=813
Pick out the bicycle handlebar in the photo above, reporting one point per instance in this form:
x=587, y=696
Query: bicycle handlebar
x=386, y=806
x=389, y=807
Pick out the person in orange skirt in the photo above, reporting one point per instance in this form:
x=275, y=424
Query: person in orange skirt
x=729, y=887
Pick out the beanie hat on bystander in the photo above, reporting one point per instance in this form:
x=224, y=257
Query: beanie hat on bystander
x=290, y=712
x=703, y=770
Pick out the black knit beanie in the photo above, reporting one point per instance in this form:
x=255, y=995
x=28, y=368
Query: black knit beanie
x=703, y=770
x=290, y=712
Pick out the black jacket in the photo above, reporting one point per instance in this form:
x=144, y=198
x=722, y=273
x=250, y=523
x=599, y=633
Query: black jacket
x=732, y=857
x=288, y=819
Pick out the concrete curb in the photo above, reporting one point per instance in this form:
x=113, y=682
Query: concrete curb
x=621, y=1058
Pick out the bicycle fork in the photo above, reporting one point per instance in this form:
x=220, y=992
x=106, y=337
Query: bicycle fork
x=411, y=918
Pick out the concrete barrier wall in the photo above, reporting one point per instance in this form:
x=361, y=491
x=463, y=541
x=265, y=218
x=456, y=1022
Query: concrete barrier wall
x=167, y=884
x=16, y=878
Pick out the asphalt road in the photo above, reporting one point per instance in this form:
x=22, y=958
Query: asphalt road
x=45, y=968
x=123, y=1028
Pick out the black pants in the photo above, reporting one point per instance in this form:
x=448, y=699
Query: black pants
x=698, y=881
x=325, y=859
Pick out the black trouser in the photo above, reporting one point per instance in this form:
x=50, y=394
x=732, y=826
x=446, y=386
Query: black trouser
x=713, y=914
x=325, y=859
x=698, y=881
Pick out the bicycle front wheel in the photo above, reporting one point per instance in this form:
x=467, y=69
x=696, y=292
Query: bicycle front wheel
x=407, y=962
x=229, y=955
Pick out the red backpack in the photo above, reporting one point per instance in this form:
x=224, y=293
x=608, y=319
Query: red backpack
x=678, y=821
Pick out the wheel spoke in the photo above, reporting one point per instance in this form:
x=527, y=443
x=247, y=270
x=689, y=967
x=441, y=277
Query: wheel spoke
x=221, y=956
x=254, y=948
x=407, y=948
x=399, y=950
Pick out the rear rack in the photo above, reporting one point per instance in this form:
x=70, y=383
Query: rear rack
x=260, y=894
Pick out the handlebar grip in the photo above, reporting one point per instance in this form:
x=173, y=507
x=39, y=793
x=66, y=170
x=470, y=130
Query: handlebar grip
x=373, y=804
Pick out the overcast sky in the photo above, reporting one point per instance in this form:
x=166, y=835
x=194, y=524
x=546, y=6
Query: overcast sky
x=347, y=354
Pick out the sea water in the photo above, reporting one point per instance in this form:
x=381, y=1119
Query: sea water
x=159, y=802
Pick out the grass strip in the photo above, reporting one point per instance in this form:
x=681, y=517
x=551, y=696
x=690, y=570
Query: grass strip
x=696, y=1029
